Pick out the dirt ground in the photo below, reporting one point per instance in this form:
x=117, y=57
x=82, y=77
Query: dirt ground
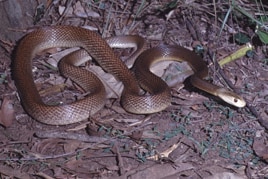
x=198, y=136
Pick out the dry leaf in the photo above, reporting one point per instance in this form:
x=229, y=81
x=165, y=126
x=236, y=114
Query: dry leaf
x=176, y=73
x=10, y=172
x=71, y=145
x=47, y=146
x=226, y=175
x=62, y=10
x=80, y=11
x=52, y=90
x=7, y=113
x=113, y=87
x=162, y=171
x=56, y=57
x=261, y=148
x=136, y=135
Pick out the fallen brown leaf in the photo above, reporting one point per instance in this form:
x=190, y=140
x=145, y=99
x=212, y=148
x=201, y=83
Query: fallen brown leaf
x=7, y=113
x=260, y=147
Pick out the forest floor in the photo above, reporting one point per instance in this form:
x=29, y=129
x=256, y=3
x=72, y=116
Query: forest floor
x=198, y=136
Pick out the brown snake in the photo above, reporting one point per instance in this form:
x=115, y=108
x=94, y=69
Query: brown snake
x=91, y=42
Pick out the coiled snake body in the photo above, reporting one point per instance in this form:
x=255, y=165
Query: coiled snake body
x=132, y=101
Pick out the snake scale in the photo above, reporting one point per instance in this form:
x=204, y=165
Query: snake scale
x=92, y=43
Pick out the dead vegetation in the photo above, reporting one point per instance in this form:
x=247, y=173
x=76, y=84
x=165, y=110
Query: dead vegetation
x=197, y=137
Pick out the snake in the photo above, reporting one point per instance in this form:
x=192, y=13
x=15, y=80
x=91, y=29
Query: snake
x=135, y=80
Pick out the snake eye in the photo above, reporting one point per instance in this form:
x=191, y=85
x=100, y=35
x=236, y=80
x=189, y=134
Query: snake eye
x=235, y=100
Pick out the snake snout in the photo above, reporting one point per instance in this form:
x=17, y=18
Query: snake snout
x=231, y=98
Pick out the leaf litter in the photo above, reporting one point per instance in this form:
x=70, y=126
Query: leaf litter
x=213, y=139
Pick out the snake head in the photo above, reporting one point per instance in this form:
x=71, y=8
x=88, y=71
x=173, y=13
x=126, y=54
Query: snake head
x=231, y=98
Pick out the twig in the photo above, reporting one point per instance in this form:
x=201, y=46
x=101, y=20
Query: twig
x=73, y=136
x=120, y=160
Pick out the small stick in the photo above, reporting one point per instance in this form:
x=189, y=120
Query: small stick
x=237, y=54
